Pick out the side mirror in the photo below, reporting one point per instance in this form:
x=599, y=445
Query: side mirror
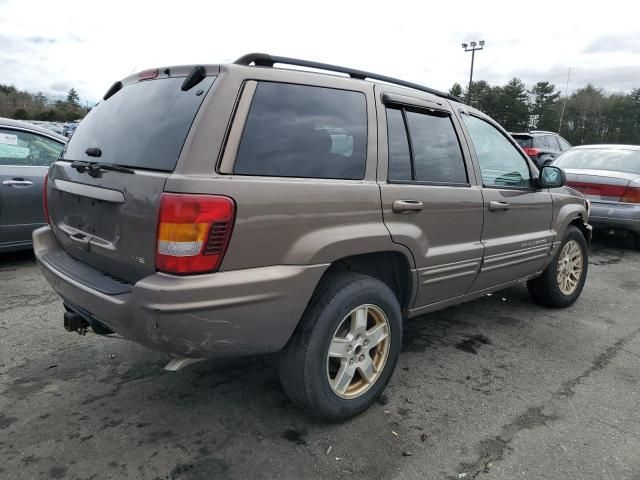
x=551, y=177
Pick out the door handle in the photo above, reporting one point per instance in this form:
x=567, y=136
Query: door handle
x=406, y=206
x=17, y=182
x=495, y=206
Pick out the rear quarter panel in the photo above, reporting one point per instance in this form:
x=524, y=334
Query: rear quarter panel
x=283, y=221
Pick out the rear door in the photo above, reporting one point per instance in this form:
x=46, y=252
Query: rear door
x=25, y=157
x=517, y=232
x=107, y=218
x=429, y=198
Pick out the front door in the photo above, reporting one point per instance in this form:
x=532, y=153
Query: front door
x=517, y=217
x=430, y=203
x=24, y=161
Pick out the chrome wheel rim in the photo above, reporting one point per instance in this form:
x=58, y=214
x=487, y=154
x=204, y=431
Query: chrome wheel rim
x=358, y=351
x=570, y=263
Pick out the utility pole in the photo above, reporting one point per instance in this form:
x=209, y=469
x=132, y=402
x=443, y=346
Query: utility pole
x=472, y=47
x=564, y=104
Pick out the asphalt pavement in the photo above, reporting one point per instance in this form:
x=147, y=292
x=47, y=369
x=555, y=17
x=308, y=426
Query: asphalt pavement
x=498, y=388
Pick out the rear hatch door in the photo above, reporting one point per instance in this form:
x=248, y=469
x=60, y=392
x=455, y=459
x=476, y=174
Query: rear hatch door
x=107, y=217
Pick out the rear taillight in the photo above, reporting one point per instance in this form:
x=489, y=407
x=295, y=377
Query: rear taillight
x=193, y=232
x=598, y=189
x=532, y=152
x=45, y=207
x=631, y=195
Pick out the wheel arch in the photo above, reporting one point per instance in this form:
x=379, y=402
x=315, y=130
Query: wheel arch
x=393, y=268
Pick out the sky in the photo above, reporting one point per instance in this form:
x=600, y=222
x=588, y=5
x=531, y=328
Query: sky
x=52, y=46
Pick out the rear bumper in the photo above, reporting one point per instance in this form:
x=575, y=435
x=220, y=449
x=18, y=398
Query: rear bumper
x=619, y=216
x=241, y=312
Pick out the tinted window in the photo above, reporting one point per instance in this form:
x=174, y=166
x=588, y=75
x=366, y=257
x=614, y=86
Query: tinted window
x=540, y=142
x=303, y=131
x=399, y=155
x=553, y=143
x=601, y=159
x=564, y=144
x=524, y=142
x=27, y=149
x=143, y=125
x=436, y=151
x=501, y=164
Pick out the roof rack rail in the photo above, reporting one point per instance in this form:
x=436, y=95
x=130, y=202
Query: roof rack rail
x=266, y=60
x=543, y=131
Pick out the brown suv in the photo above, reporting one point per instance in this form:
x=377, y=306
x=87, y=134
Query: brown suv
x=241, y=209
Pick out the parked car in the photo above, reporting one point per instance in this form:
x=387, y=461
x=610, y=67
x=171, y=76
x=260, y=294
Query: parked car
x=69, y=129
x=242, y=209
x=609, y=176
x=541, y=146
x=26, y=151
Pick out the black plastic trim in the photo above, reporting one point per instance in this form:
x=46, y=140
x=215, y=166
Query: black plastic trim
x=86, y=274
x=266, y=60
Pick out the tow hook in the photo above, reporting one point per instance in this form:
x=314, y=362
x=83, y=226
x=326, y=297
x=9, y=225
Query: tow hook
x=75, y=323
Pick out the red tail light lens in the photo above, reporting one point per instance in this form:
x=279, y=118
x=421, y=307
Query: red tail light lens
x=193, y=232
x=45, y=207
x=532, y=152
x=631, y=195
x=148, y=74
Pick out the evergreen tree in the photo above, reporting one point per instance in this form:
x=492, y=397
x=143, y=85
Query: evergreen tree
x=73, y=99
x=456, y=90
x=544, y=106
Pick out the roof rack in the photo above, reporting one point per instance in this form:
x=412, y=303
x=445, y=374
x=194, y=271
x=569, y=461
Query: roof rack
x=543, y=131
x=266, y=60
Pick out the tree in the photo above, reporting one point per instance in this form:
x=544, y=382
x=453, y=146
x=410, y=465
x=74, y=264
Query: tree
x=512, y=108
x=543, y=107
x=481, y=96
x=456, y=90
x=586, y=116
x=20, y=114
x=73, y=99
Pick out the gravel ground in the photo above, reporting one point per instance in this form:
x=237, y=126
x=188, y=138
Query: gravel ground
x=498, y=388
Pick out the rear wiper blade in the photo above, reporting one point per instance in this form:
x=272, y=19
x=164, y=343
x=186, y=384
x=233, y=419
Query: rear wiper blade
x=113, y=168
x=94, y=169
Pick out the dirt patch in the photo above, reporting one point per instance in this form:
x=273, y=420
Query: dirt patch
x=472, y=343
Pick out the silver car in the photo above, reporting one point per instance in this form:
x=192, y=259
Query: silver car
x=609, y=176
x=26, y=151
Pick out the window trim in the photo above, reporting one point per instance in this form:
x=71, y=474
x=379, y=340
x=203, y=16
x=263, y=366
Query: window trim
x=238, y=122
x=513, y=143
x=423, y=110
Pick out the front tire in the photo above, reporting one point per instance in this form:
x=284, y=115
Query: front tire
x=562, y=282
x=345, y=349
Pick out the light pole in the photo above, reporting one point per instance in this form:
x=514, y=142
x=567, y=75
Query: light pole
x=472, y=47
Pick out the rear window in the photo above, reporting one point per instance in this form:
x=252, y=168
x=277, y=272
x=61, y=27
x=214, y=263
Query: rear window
x=304, y=131
x=616, y=160
x=541, y=142
x=524, y=142
x=144, y=125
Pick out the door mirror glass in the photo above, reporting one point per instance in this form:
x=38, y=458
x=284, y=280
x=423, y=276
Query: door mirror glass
x=552, y=177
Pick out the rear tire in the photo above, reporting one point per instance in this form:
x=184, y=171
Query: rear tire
x=562, y=282
x=352, y=326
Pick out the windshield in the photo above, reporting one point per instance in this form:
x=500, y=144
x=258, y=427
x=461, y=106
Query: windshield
x=617, y=160
x=144, y=125
x=524, y=142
